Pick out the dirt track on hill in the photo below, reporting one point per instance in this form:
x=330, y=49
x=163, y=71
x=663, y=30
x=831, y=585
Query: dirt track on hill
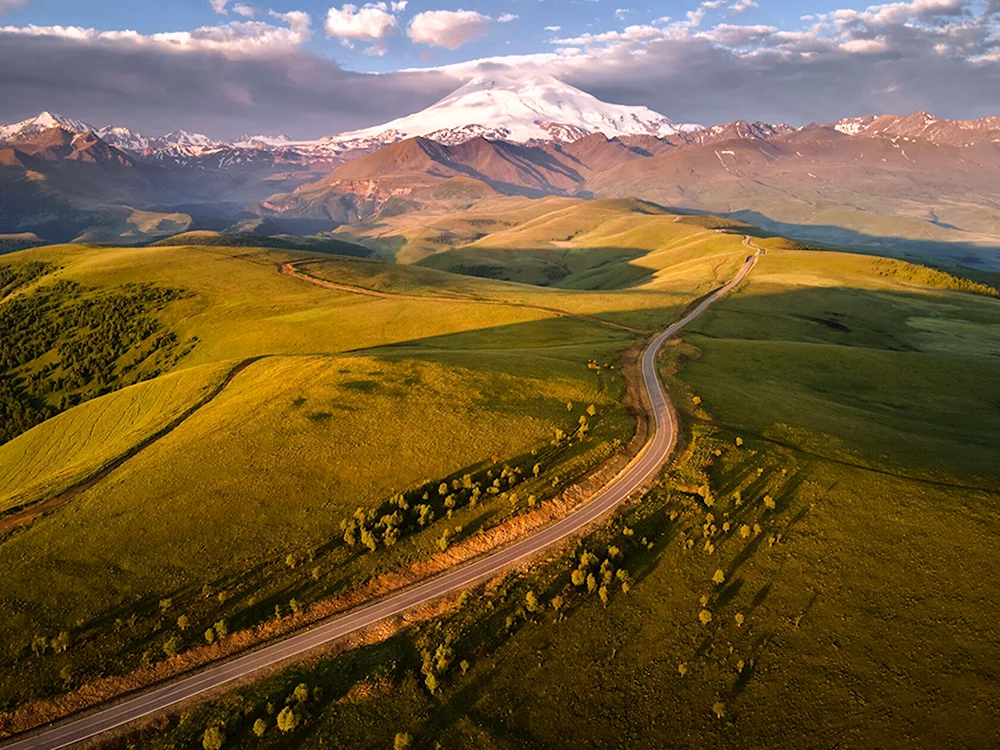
x=291, y=269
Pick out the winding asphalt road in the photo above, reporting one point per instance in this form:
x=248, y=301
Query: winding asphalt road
x=633, y=477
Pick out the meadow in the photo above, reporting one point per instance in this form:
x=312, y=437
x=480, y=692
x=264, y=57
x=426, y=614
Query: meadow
x=283, y=410
x=810, y=572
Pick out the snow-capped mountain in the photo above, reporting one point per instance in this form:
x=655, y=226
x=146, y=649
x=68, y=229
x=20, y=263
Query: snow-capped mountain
x=184, y=138
x=262, y=141
x=39, y=124
x=925, y=126
x=515, y=109
x=494, y=107
x=113, y=135
x=124, y=138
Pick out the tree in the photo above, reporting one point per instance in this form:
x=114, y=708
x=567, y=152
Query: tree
x=591, y=583
x=293, y=604
x=260, y=727
x=719, y=577
x=401, y=741
x=350, y=532
x=38, y=644
x=301, y=693
x=444, y=540
x=210, y=636
x=536, y=469
x=431, y=682
x=579, y=578
x=368, y=539
x=531, y=602
x=290, y=560
x=221, y=629
x=165, y=604
x=739, y=442
x=172, y=646
x=61, y=641
x=705, y=616
x=769, y=502
x=603, y=593
x=288, y=720
x=183, y=622
x=556, y=602
x=569, y=406
x=213, y=738
x=740, y=619
x=592, y=410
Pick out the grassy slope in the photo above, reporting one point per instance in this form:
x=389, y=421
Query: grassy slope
x=72, y=445
x=273, y=464
x=624, y=260
x=868, y=618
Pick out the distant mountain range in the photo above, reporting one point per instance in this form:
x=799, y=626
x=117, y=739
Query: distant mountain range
x=917, y=183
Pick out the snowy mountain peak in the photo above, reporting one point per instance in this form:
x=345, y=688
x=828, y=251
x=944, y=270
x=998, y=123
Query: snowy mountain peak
x=524, y=108
x=184, y=138
x=40, y=123
x=124, y=138
x=262, y=141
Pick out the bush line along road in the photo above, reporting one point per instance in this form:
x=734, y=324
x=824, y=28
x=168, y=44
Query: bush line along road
x=633, y=477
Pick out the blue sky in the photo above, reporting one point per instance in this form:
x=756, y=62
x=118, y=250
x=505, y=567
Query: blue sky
x=306, y=66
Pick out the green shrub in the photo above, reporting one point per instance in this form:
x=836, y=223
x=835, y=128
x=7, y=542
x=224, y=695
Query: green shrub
x=288, y=720
x=213, y=738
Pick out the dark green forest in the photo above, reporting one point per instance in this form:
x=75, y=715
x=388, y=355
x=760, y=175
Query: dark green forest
x=65, y=343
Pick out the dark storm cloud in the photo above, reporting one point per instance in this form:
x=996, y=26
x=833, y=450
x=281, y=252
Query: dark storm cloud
x=695, y=81
x=153, y=89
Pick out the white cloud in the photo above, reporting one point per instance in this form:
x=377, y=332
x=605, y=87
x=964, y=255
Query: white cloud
x=553, y=28
x=739, y=36
x=235, y=38
x=866, y=46
x=6, y=6
x=901, y=12
x=298, y=21
x=219, y=6
x=446, y=28
x=631, y=33
x=371, y=23
x=507, y=18
x=244, y=10
x=399, y=7
x=742, y=6
x=620, y=13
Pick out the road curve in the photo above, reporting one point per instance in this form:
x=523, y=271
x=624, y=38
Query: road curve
x=635, y=475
